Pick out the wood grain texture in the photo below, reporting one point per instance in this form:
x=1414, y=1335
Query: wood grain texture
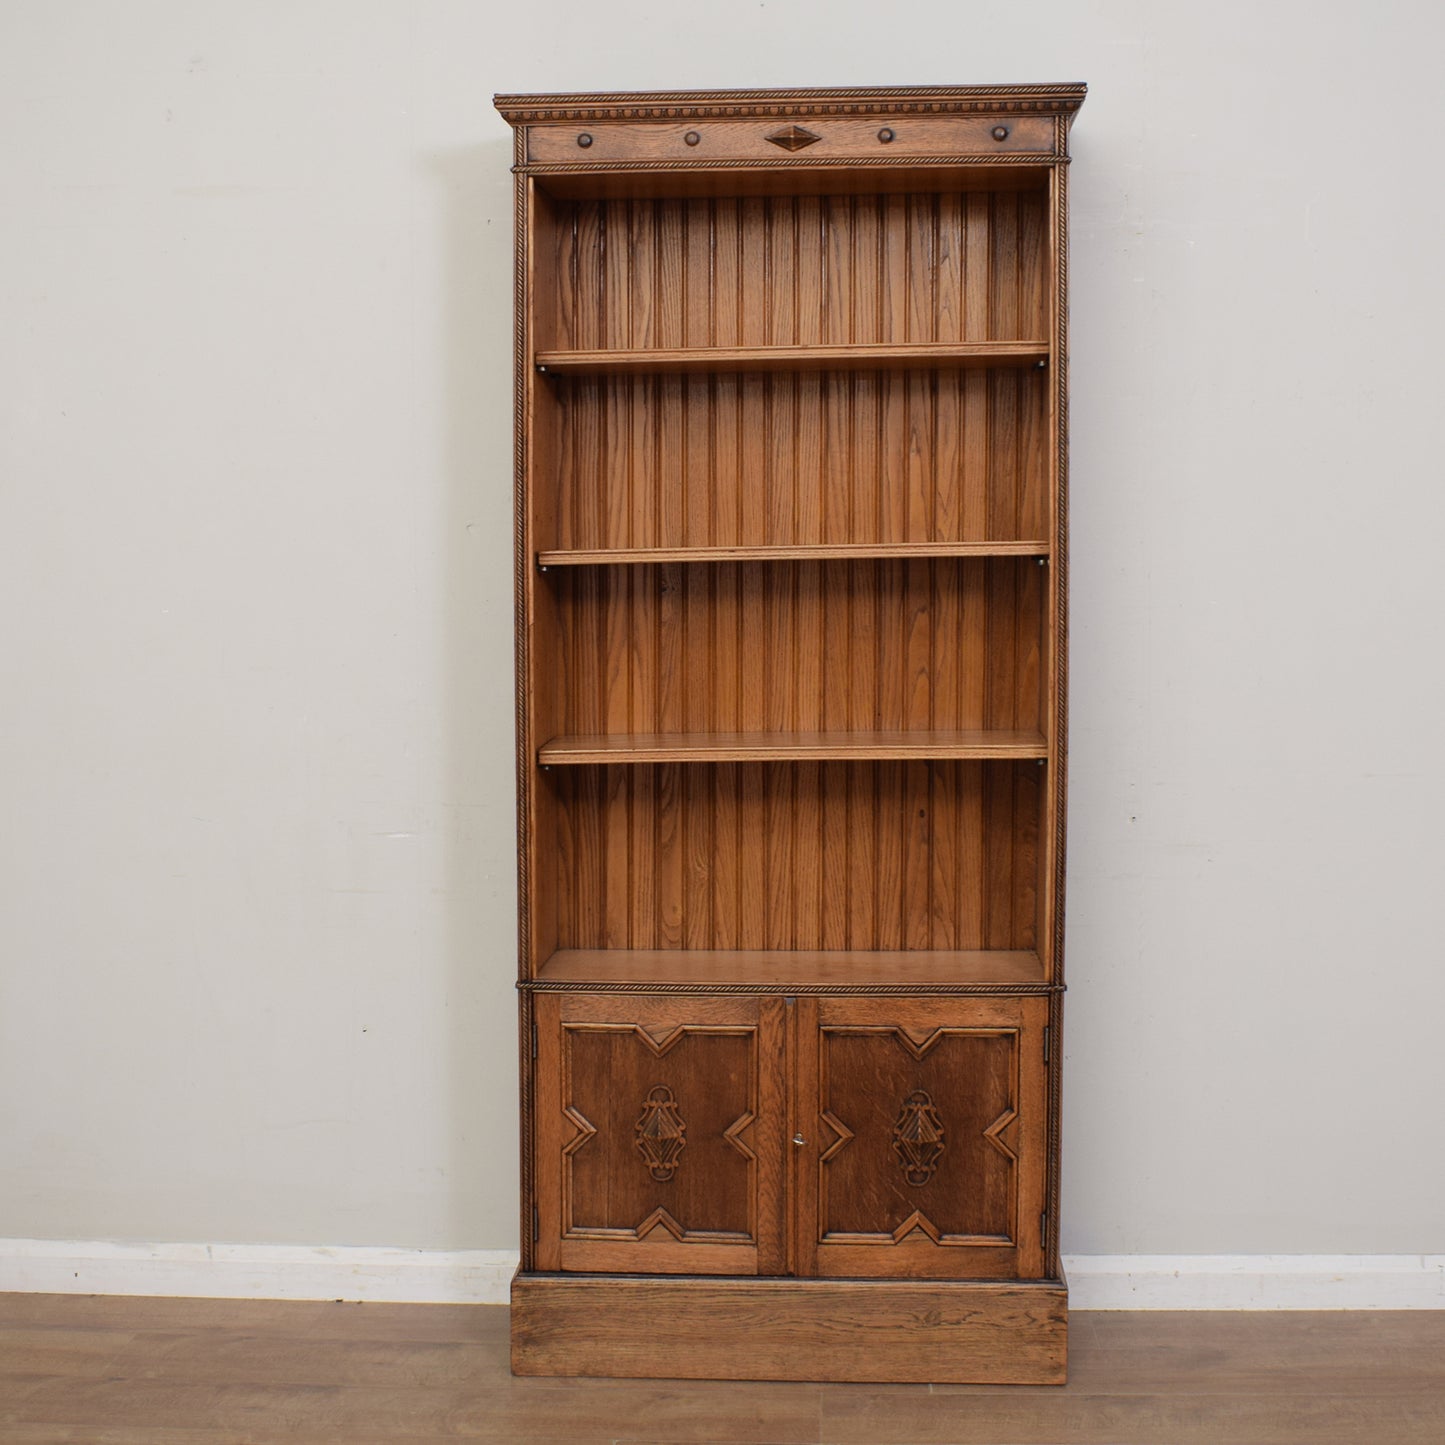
x=821, y=552
x=791, y=713
x=781, y=971
x=923, y=1122
x=833, y=434
x=848, y=275
x=691, y=140
x=798, y=464
x=1046, y=98
x=786, y=1330
x=971, y=858
x=113, y=1370
x=709, y=747
x=725, y=360
x=1056, y=695
x=538, y=620
x=660, y=1134
x=894, y=646
x=793, y=177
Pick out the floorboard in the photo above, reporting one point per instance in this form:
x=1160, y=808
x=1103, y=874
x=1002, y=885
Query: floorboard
x=111, y=1370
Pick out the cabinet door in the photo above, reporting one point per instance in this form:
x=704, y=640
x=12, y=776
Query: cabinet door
x=921, y=1139
x=660, y=1140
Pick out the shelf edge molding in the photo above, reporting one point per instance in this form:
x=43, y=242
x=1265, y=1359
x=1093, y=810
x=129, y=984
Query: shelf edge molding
x=720, y=359
x=807, y=552
x=918, y=744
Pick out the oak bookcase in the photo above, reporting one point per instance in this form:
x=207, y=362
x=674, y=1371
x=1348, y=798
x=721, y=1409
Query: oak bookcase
x=791, y=421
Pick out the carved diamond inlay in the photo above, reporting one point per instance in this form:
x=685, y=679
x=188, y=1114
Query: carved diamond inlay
x=918, y=1137
x=659, y=1133
x=794, y=138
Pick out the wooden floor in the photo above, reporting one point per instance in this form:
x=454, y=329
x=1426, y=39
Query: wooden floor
x=118, y=1371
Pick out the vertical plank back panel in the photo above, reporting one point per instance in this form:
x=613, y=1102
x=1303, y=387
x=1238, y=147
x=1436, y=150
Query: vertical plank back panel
x=797, y=646
x=901, y=842
x=891, y=457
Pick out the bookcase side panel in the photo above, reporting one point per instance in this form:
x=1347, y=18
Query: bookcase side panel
x=542, y=689
x=1051, y=892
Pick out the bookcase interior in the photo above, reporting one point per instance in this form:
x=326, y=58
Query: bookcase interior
x=796, y=270
x=792, y=646
x=932, y=454
x=850, y=850
x=793, y=855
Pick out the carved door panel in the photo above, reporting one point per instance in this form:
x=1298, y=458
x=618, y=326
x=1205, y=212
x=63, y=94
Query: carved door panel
x=660, y=1142
x=921, y=1123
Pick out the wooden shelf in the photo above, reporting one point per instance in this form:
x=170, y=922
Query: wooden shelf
x=955, y=355
x=918, y=744
x=821, y=552
x=802, y=970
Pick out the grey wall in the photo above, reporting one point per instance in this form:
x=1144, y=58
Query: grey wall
x=256, y=828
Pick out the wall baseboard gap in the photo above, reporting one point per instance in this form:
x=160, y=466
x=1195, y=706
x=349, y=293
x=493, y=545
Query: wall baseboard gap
x=482, y=1276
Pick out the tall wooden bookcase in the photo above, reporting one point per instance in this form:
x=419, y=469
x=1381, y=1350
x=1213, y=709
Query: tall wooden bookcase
x=791, y=605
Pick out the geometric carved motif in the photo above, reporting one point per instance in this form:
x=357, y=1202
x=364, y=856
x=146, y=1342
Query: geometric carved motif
x=844, y=1134
x=918, y=1138
x=659, y=1133
x=794, y=138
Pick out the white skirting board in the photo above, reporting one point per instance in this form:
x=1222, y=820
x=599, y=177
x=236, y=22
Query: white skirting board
x=1256, y=1281
x=482, y=1276
x=258, y=1271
